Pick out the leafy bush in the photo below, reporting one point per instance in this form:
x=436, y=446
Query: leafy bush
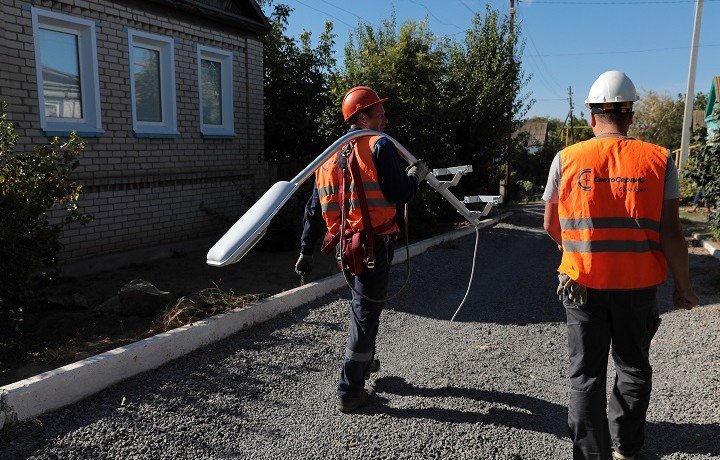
x=525, y=189
x=688, y=187
x=32, y=183
x=704, y=169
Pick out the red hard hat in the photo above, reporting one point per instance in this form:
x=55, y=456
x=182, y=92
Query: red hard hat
x=357, y=99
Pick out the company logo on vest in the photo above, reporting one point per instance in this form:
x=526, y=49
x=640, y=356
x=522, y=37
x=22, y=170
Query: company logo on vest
x=584, y=179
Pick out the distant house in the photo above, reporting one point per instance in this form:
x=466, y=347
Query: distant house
x=537, y=134
x=169, y=95
x=712, y=110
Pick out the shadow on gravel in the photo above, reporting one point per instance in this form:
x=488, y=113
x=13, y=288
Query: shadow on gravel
x=528, y=413
x=665, y=438
x=508, y=409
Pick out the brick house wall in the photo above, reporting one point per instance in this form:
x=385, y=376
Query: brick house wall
x=143, y=192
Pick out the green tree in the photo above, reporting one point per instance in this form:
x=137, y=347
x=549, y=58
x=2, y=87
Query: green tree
x=296, y=88
x=703, y=168
x=406, y=64
x=581, y=130
x=483, y=91
x=659, y=118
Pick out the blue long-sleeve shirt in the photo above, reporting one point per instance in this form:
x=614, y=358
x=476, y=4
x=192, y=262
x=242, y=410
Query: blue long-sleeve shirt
x=395, y=184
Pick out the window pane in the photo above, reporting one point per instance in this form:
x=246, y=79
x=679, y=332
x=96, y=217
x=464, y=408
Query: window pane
x=146, y=68
x=211, y=77
x=60, y=74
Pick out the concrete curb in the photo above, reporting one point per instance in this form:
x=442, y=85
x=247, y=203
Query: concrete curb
x=65, y=385
x=711, y=248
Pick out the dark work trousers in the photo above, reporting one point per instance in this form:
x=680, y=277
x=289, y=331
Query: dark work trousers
x=365, y=319
x=626, y=321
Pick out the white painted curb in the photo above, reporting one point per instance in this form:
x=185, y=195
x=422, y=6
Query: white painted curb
x=715, y=252
x=53, y=389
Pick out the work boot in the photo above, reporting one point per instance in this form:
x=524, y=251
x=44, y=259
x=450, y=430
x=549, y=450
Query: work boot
x=372, y=368
x=618, y=456
x=364, y=398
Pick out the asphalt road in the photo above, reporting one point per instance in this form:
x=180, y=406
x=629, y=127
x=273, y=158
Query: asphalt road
x=492, y=385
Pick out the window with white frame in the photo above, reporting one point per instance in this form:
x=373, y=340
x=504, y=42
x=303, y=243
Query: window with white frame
x=152, y=84
x=67, y=74
x=216, y=91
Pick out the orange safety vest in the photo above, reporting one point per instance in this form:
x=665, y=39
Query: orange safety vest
x=327, y=181
x=610, y=201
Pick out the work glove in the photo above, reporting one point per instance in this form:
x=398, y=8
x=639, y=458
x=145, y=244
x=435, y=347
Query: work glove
x=304, y=264
x=418, y=170
x=575, y=291
x=685, y=299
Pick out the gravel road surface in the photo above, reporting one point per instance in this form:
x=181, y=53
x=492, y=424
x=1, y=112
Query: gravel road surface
x=492, y=385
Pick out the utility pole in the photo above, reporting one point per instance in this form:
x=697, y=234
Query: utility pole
x=572, y=131
x=690, y=93
x=505, y=185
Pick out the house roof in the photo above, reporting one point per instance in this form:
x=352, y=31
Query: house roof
x=537, y=132
x=239, y=14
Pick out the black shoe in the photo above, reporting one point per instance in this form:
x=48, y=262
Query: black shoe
x=355, y=402
x=372, y=368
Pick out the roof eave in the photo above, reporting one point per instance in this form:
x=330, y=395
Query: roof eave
x=221, y=16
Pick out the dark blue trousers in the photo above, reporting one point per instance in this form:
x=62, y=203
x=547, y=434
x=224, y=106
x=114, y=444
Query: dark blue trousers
x=624, y=321
x=365, y=320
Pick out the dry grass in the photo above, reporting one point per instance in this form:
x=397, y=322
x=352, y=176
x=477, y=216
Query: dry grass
x=208, y=302
x=64, y=353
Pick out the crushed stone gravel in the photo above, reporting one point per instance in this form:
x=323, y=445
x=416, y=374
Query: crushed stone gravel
x=492, y=385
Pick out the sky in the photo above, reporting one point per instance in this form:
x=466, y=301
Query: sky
x=568, y=43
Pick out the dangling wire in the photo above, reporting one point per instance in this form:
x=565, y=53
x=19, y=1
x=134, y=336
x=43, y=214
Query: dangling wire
x=472, y=274
x=407, y=263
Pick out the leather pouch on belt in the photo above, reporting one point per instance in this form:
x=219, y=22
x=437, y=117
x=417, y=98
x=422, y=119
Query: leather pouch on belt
x=354, y=253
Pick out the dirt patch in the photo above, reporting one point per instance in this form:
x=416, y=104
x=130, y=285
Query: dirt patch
x=53, y=338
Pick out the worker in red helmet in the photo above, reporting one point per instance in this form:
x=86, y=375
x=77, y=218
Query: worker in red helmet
x=386, y=182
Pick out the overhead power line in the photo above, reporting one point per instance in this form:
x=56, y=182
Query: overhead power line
x=651, y=50
x=638, y=2
x=437, y=18
x=324, y=12
x=466, y=6
x=350, y=12
x=550, y=76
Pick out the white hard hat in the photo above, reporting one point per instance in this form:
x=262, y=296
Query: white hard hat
x=612, y=87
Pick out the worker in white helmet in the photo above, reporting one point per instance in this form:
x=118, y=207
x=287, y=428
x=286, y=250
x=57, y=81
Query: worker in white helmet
x=612, y=208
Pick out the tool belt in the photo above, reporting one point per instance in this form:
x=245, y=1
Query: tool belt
x=356, y=251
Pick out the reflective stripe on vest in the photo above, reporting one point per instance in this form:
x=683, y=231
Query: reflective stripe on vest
x=610, y=202
x=609, y=222
x=611, y=246
x=332, y=190
x=327, y=181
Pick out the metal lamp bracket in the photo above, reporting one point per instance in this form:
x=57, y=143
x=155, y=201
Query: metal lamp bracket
x=489, y=200
x=459, y=171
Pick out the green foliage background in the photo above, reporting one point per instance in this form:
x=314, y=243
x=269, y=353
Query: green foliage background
x=703, y=169
x=659, y=118
x=452, y=102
